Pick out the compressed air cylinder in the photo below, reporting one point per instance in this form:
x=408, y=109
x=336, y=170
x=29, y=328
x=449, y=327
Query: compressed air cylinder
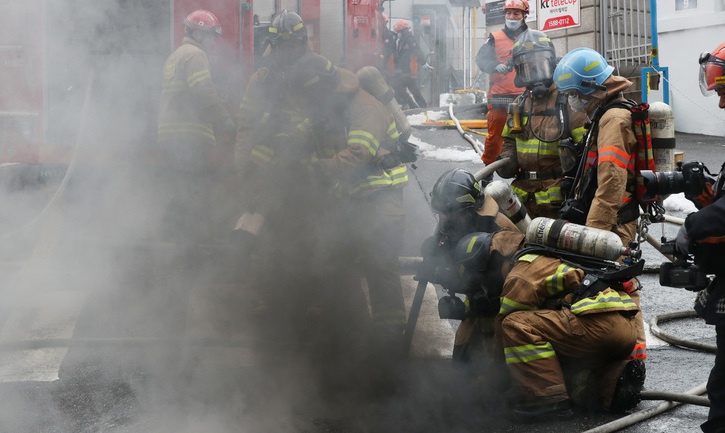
x=662, y=125
x=509, y=203
x=372, y=81
x=575, y=238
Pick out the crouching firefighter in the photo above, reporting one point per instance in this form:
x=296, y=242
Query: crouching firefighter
x=565, y=318
x=463, y=209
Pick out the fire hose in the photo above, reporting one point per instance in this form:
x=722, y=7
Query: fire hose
x=671, y=399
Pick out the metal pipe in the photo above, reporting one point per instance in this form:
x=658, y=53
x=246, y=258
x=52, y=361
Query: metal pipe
x=655, y=40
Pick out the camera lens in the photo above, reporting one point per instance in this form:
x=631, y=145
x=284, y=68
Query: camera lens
x=662, y=183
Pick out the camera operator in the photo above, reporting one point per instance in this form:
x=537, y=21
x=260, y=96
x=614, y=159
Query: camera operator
x=703, y=235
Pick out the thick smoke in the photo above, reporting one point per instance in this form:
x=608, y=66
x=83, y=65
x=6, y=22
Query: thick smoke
x=168, y=337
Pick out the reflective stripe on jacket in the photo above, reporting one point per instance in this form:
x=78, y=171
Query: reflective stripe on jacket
x=190, y=106
x=538, y=282
x=534, y=155
x=371, y=134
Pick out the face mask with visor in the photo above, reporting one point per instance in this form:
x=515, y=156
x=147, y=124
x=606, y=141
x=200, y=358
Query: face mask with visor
x=536, y=67
x=712, y=73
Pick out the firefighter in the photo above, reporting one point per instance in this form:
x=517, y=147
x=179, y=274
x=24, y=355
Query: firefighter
x=273, y=138
x=463, y=209
x=408, y=57
x=544, y=119
x=192, y=119
x=386, y=61
x=609, y=175
x=703, y=234
x=264, y=98
x=551, y=325
x=494, y=58
x=357, y=160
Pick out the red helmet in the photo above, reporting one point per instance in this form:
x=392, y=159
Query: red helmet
x=400, y=25
x=203, y=20
x=521, y=5
x=712, y=70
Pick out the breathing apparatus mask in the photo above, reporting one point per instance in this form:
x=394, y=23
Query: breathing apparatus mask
x=577, y=103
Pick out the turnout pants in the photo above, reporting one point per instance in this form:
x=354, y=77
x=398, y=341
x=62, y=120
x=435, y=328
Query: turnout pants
x=540, y=345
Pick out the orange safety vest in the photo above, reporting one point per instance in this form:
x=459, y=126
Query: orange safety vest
x=503, y=84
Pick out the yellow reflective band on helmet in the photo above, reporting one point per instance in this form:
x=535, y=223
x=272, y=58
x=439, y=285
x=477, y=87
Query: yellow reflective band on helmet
x=298, y=26
x=592, y=65
x=544, y=39
x=555, y=283
x=467, y=198
x=471, y=243
x=528, y=353
x=609, y=300
x=508, y=306
x=366, y=139
x=564, y=77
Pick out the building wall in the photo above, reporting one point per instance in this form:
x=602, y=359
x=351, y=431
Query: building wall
x=683, y=35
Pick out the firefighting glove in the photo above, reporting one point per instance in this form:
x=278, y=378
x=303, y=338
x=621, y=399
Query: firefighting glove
x=682, y=243
x=502, y=69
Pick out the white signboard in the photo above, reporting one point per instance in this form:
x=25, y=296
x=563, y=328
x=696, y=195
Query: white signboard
x=559, y=14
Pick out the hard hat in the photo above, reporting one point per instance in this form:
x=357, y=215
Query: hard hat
x=712, y=70
x=534, y=58
x=472, y=252
x=287, y=26
x=455, y=190
x=401, y=25
x=582, y=69
x=521, y=5
x=315, y=73
x=203, y=20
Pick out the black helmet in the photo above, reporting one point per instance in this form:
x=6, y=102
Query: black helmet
x=287, y=26
x=472, y=252
x=534, y=59
x=455, y=190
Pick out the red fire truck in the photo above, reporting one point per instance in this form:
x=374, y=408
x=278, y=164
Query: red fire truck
x=88, y=72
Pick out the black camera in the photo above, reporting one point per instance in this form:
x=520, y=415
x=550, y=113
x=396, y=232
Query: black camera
x=688, y=178
x=682, y=272
x=451, y=307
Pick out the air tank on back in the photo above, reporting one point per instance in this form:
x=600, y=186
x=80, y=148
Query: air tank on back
x=372, y=81
x=509, y=203
x=576, y=238
x=662, y=125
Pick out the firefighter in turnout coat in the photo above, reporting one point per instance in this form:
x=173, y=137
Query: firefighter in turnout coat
x=608, y=181
x=547, y=329
x=533, y=150
x=192, y=117
x=355, y=157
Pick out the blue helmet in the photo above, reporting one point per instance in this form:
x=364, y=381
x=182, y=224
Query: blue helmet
x=582, y=69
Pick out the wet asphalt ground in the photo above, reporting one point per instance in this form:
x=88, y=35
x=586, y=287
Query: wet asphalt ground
x=158, y=345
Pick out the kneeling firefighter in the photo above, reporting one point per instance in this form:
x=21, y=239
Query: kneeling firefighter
x=462, y=209
x=564, y=317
